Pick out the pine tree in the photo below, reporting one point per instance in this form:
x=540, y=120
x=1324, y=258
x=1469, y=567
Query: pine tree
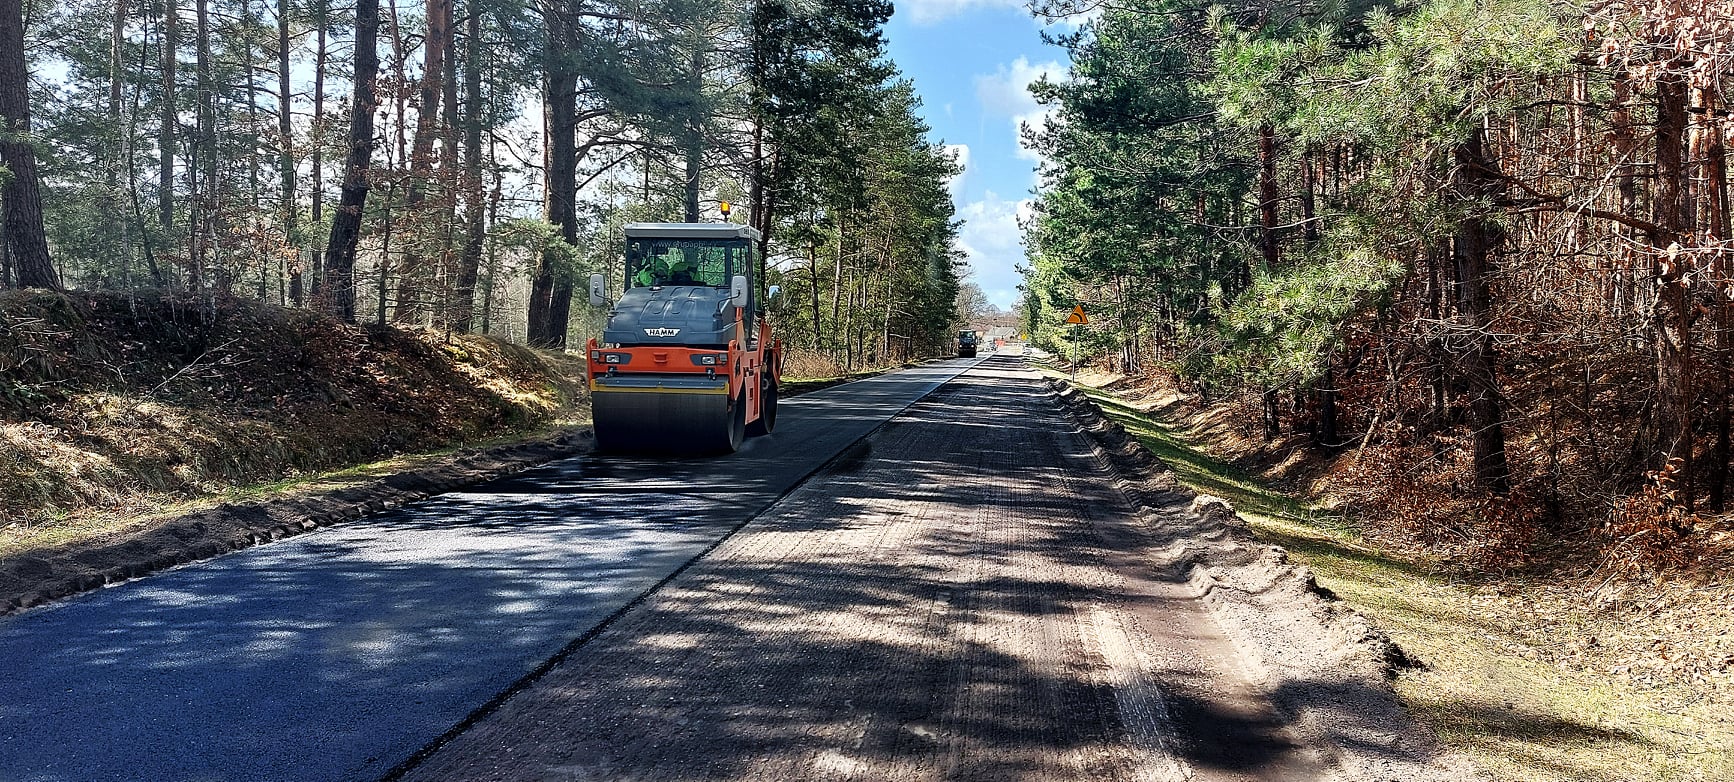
x=26, y=242
x=339, y=266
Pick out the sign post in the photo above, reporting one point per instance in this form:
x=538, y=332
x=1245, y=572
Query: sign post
x=1076, y=319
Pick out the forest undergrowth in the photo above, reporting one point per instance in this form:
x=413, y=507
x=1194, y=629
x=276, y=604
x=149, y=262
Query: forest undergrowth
x=116, y=407
x=1563, y=667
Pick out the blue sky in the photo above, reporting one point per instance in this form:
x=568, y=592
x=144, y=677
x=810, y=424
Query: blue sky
x=972, y=62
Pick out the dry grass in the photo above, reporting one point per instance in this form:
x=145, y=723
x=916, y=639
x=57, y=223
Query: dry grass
x=807, y=371
x=810, y=365
x=118, y=411
x=1542, y=679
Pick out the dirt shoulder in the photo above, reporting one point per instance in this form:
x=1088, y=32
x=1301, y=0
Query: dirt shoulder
x=1325, y=666
x=1562, y=674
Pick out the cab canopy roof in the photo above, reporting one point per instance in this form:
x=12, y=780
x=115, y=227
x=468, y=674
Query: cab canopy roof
x=690, y=231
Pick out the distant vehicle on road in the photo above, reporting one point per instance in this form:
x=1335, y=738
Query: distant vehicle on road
x=966, y=344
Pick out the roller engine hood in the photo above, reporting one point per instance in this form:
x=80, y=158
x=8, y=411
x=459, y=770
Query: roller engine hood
x=671, y=315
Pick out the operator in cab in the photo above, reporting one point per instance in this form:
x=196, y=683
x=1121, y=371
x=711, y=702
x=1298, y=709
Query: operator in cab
x=675, y=271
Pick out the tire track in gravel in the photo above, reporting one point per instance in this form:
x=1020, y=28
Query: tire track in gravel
x=962, y=599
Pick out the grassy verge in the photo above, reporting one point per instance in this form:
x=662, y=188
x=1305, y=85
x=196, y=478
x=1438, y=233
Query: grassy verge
x=1489, y=686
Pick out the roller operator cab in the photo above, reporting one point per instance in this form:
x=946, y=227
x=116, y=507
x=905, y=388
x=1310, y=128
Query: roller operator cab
x=966, y=344
x=686, y=363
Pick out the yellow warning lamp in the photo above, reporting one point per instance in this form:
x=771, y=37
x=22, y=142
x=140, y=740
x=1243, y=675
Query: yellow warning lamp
x=724, y=206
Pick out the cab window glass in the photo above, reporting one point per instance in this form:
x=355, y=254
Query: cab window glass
x=707, y=262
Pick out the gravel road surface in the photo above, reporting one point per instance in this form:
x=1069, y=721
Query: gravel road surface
x=337, y=654
x=963, y=596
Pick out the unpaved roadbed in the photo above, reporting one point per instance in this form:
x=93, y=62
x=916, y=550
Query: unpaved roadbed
x=969, y=594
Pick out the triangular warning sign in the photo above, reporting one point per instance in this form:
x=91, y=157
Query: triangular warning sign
x=1078, y=318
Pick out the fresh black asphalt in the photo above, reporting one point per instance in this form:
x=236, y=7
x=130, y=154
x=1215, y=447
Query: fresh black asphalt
x=338, y=654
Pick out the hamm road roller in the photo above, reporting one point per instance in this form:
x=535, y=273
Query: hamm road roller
x=686, y=363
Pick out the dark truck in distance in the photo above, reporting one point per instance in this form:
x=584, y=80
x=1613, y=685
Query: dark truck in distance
x=966, y=344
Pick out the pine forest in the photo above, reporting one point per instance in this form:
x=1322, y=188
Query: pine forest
x=458, y=165
x=1477, y=250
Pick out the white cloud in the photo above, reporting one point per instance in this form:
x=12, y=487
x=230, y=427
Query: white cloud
x=926, y=12
x=993, y=243
x=1006, y=93
x=961, y=153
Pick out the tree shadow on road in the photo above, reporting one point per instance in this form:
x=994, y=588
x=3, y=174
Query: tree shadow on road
x=890, y=621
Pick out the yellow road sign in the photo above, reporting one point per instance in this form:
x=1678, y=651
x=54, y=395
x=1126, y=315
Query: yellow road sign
x=1078, y=318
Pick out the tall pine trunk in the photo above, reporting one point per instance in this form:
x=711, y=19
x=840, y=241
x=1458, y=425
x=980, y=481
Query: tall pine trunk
x=1673, y=315
x=1715, y=227
x=26, y=244
x=317, y=164
x=286, y=155
x=1621, y=290
x=254, y=163
x=551, y=288
x=1268, y=248
x=813, y=280
x=339, y=264
x=413, y=281
x=147, y=243
x=114, y=214
x=396, y=160
x=1326, y=388
x=1475, y=178
x=205, y=146
x=170, y=120
x=1437, y=382
x=451, y=180
x=692, y=145
x=475, y=234
x=837, y=281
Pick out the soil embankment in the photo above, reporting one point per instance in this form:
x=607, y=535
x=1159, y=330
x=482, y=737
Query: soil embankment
x=116, y=410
